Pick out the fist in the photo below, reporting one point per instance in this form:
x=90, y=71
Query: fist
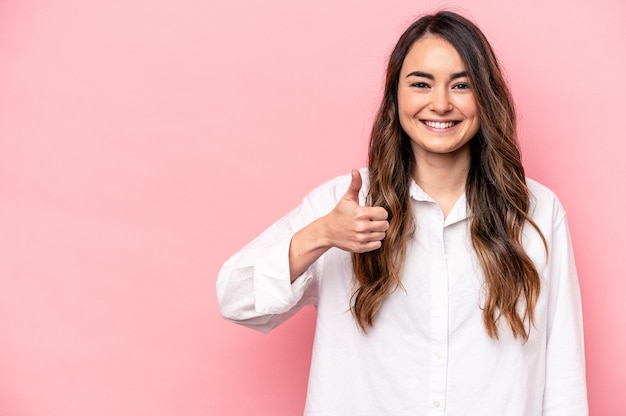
x=353, y=227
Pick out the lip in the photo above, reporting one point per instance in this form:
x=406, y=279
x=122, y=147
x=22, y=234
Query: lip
x=440, y=125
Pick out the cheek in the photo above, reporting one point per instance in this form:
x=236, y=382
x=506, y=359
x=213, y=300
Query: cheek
x=469, y=108
x=407, y=112
x=403, y=109
x=402, y=102
x=475, y=126
x=408, y=105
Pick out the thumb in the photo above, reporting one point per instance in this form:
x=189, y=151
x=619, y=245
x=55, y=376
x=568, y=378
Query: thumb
x=352, y=193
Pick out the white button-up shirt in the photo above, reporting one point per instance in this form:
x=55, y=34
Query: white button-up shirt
x=428, y=352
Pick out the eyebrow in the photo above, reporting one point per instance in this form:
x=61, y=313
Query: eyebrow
x=431, y=76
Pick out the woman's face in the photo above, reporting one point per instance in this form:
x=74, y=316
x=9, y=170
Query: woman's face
x=436, y=105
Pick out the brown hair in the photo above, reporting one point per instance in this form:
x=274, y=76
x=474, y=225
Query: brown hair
x=497, y=196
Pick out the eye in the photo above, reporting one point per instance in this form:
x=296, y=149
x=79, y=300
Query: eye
x=462, y=86
x=420, y=85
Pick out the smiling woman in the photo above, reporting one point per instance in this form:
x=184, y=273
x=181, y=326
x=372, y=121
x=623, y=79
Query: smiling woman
x=457, y=269
x=437, y=109
x=438, y=112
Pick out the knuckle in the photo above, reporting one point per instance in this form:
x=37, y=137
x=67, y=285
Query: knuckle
x=381, y=213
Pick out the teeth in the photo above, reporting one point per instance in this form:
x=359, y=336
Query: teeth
x=439, y=124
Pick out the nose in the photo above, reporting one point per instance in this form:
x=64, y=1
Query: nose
x=440, y=102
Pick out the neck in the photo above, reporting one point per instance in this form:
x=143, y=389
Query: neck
x=443, y=176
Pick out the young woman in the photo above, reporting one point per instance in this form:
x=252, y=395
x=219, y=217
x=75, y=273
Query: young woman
x=443, y=279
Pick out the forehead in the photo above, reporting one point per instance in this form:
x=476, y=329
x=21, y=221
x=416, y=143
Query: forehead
x=432, y=54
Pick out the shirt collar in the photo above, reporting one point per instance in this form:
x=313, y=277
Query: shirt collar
x=458, y=213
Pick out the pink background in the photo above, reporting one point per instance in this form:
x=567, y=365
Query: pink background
x=143, y=142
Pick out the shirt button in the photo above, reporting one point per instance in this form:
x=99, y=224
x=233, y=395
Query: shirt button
x=439, y=355
x=436, y=404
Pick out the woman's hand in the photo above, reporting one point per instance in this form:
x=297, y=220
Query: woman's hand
x=353, y=227
x=349, y=226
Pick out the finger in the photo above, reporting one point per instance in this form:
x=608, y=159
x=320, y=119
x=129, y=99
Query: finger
x=368, y=226
x=376, y=236
x=377, y=213
x=370, y=246
x=378, y=226
x=352, y=193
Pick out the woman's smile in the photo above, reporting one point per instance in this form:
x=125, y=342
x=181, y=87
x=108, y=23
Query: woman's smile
x=436, y=104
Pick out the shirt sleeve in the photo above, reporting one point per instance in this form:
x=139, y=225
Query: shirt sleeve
x=565, y=391
x=254, y=286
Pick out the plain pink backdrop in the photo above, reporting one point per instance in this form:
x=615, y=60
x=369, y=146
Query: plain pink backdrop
x=143, y=142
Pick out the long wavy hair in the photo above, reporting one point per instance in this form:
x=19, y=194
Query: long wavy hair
x=497, y=195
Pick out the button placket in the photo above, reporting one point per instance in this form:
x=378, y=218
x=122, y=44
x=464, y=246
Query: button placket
x=439, y=315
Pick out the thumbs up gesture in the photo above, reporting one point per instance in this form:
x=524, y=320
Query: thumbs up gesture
x=353, y=227
x=349, y=226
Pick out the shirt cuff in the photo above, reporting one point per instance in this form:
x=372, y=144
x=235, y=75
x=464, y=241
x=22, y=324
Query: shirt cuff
x=273, y=291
